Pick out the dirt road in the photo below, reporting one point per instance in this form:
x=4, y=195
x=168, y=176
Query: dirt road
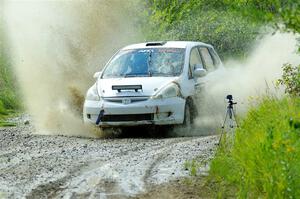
x=40, y=166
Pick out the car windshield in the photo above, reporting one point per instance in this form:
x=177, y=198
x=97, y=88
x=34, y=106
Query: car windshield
x=146, y=62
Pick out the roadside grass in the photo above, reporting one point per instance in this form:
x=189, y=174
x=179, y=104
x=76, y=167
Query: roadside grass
x=7, y=124
x=9, y=97
x=5, y=114
x=264, y=161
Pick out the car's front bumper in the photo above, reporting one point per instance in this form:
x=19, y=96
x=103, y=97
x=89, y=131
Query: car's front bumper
x=152, y=111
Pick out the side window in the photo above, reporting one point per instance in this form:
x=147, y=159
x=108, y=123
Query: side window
x=208, y=61
x=195, y=58
x=216, y=58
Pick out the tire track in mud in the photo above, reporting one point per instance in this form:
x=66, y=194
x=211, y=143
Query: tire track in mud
x=70, y=167
x=160, y=166
x=160, y=156
x=111, y=186
x=143, y=169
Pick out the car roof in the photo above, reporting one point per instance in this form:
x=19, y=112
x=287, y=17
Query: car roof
x=165, y=44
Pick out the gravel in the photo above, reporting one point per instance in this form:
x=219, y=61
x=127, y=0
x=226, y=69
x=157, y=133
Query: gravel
x=43, y=166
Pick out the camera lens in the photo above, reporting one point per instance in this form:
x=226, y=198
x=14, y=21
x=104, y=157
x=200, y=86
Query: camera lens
x=229, y=97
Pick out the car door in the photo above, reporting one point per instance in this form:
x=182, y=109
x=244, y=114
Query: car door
x=195, y=86
x=211, y=63
x=194, y=59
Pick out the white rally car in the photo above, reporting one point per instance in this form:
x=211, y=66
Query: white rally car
x=154, y=83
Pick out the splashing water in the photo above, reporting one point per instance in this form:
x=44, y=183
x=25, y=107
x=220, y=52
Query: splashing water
x=55, y=47
x=250, y=78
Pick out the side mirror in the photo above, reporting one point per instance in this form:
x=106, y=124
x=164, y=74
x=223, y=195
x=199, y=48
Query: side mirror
x=199, y=72
x=97, y=75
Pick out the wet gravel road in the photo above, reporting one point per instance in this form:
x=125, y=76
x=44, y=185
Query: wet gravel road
x=41, y=166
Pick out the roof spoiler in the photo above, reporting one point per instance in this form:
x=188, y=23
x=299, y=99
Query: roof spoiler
x=156, y=43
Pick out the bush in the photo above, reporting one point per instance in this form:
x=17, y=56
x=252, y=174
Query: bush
x=212, y=22
x=229, y=33
x=291, y=80
x=264, y=161
x=284, y=14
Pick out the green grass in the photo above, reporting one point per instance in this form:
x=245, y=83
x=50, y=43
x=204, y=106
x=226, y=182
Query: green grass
x=7, y=124
x=9, y=97
x=192, y=166
x=3, y=111
x=4, y=122
x=5, y=114
x=264, y=161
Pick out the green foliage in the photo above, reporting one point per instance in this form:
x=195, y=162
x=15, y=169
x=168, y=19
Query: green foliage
x=279, y=12
x=4, y=114
x=7, y=124
x=213, y=22
x=264, y=161
x=3, y=111
x=291, y=17
x=192, y=166
x=229, y=34
x=291, y=80
x=230, y=25
x=8, y=91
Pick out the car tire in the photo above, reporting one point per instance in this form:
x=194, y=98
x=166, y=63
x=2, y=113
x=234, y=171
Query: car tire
x=109, y=132
x=188, y=119
x=157, y=131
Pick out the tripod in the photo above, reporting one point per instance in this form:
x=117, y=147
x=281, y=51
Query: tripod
x=231, y=114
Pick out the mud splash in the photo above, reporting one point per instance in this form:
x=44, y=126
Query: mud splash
x=248, y=80
x=56, y=46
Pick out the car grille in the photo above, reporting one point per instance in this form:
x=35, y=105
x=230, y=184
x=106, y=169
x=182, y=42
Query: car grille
x=120, y=99
x=127, y=118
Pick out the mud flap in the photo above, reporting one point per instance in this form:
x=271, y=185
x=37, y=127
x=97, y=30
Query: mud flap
x=101, y=114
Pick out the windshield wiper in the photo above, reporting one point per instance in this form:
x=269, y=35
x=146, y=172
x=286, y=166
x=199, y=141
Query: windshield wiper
x=130, y=75
x=135, y=75
x=164, y=74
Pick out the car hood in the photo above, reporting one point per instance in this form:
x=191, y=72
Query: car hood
x=150, y=85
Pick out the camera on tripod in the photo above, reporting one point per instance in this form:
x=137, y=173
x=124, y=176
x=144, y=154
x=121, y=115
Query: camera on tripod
x=230, y=100
x=230, y=113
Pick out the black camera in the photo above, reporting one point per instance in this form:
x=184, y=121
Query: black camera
x=229, y=97
x=230, y=112
x=230, y=100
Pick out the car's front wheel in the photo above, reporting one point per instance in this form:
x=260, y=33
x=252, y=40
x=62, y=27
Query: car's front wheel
x=187, y=125
x=109, y=132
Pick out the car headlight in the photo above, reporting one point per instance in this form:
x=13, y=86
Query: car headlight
x=168, y=91
x=92, y=94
